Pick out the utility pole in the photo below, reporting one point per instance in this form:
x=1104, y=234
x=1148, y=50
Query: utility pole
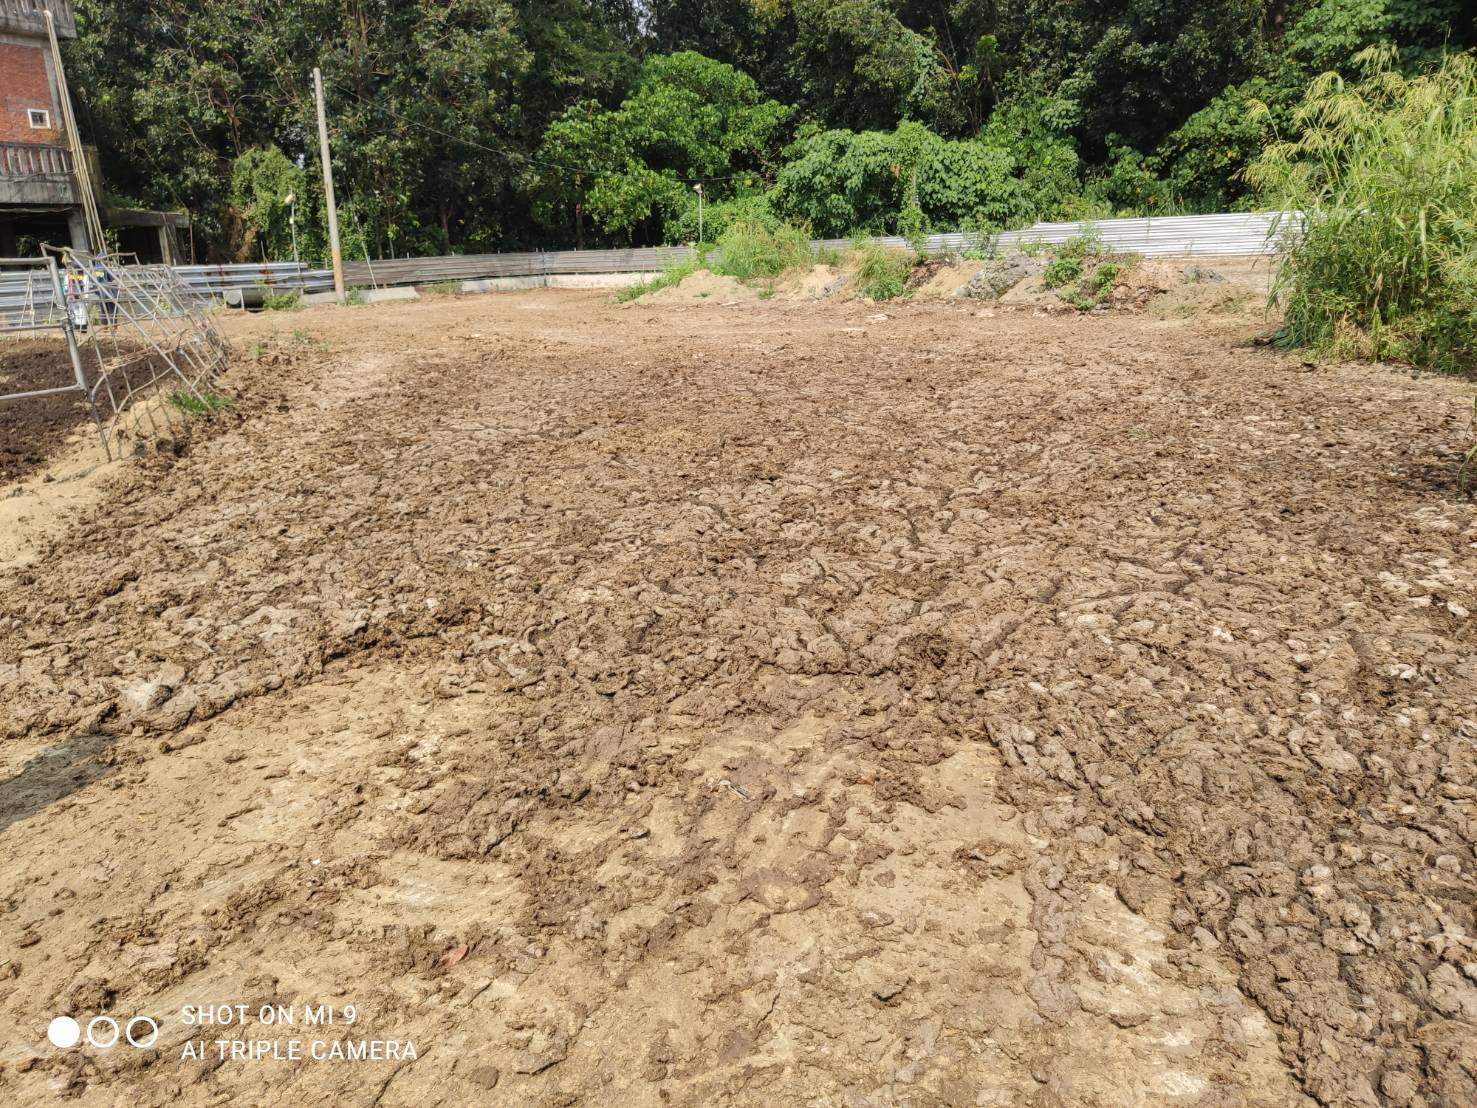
x=338, y=257
x=699, y=190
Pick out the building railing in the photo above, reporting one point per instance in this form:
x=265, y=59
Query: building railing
x=27, y=160
x=30, y=16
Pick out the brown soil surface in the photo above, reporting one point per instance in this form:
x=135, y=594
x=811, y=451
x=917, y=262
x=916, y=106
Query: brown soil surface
x=767, y=705
x=43, y=438
x=42, y=507
x=33, y=430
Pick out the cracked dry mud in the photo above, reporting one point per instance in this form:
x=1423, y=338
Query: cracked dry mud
x=777, y=704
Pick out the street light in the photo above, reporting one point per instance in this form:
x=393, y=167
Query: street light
x=292, y=223
x=699, y=190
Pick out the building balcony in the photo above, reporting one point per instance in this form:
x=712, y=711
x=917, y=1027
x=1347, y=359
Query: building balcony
x=33, y=175
x=28, y=17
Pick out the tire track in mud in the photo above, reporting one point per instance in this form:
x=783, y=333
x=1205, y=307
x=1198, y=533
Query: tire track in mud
x=750, y=630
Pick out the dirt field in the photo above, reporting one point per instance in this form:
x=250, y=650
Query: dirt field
x=32, y=431
x=767, y=704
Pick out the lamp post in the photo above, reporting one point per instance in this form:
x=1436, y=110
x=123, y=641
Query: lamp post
x=292, y=223
x=699, y=190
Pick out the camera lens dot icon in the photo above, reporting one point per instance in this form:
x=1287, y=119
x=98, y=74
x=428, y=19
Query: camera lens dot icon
x=63, y=1032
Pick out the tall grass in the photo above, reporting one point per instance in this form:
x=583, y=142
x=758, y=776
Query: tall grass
x=1384, y=171
x=749, y=249
x=882, y=272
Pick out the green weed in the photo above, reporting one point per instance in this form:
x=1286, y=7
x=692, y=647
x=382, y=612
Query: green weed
x=748, y=250
x=1082, y=271
x=1103, y=277
x=204, y=404
x=882, y=272
x=1086, y=245
x=1061, y=271
x=983, y=248
x=289, y=301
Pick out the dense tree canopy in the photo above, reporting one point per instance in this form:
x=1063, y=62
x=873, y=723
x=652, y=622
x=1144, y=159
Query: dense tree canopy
x=494, y=124
x=688, y=120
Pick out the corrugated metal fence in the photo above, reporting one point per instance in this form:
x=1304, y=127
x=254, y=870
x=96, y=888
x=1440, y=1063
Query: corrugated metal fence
x=1239, y=233
x=1167, y=236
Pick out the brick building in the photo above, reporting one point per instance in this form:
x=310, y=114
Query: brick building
x=40, y=197
x=29, y=112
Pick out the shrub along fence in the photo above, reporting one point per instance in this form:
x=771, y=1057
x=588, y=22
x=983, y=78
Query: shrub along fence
x=1235, y=234
x=1239, y=233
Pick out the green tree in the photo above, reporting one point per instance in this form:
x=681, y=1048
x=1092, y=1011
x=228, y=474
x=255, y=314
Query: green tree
x=1328, y=34
x=434, y=107
x=900, y=181
x=863, y=68
x=724, y=30
x=484, y=124
x=425, y=114
x=688, y=119
x=262, y=179
x=1146, y=66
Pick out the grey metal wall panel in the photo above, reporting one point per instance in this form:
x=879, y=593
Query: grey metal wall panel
x=1237, y=233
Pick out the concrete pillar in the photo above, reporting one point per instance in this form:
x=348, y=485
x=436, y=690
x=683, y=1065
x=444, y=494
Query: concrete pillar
x=77, y=228
x=7, y=239
x=166, y=244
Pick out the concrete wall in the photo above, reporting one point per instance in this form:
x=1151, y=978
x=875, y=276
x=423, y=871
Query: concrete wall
x=26, y=17
x=557, y=281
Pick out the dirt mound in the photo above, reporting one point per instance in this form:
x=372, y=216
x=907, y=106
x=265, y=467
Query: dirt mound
x=1216, y=286
x=1031, y=292
x=1205, y=298
x=998, y=276
x=815, y=283
x=704, y=286
x=935, y=280
x=1169, y=288
x=1139, y=280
